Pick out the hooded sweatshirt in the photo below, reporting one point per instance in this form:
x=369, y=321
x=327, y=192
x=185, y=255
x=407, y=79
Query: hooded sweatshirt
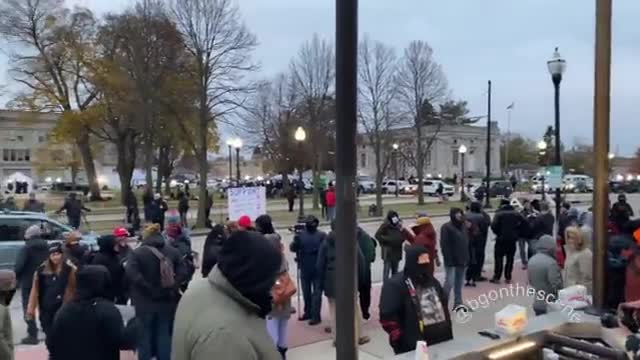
x=454, y=241
x=90, y=327
x=544, y=273
x=413, y=306
x=108, y=257
x=391, y=235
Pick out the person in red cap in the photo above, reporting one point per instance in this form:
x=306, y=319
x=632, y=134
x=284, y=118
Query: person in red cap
x=122, y=241
x=244, y=222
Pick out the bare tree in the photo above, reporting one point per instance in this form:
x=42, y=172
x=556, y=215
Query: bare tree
x=54, y=46
x=377, y=96
x=221, y=47
x=421, y=84
x=314, y=73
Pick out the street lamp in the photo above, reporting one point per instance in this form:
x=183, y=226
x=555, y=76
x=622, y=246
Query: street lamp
x=300, y=137
x=237, y=143
x=395, y=165
x=230, y=143
x=557, y=66
x=542, y=148
x=462, y=150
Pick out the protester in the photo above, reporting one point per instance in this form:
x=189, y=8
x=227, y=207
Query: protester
x=29, y=258
x=147, y=199
x=122, y=240
x=178, y=237
x=278, y=318
x=367, y=246
x=107, y=256
x=245, y=223
x=54, y=284
x=440, y=192
x=544, y=273
x=183, y=207
x=425, y=235
x=306, y=245
x=391, y=235
x=157, y=209
x=479, y=223
x=291, y=197
x=323, y=201
x=326, y=268
x=209, y=205
x=212, y=246
x=618, y=219
x=413, y=305
x=506, y=225
x=565, y=220
x=331, y=202
x=454, y=244
x=7, y=291
x=155, y=272
x=74, y=251
x=74, y=208
x=578, y=265
x=526, y=233
x=542, y=224
x=223, y=316
x=622, y=201
x=618, y=248
x=132, y=214
x=90, y=326
x=33, y=205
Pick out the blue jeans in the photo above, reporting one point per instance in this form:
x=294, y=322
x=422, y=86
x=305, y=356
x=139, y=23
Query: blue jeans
x=390, y=269
x=454, y=278
x=155, y=337
x=331, y=213
x=312, y=297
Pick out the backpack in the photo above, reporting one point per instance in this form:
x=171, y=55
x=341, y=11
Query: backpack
x=167, y=273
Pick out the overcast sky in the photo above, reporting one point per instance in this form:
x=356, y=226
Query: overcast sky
x=506, y=41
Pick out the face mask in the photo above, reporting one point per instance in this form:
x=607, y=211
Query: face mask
x=423, y=272
x=395, y=220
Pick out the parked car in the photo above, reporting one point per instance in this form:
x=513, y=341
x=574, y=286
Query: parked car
x=389, y=186
x=366, y=185
x=577, y=183
x=13, y=224
x=431, y=187
x=500, y=188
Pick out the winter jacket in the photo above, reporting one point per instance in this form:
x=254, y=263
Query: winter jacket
x=73, y=208
x=183, y=204
x=306, y=245
x=212, y=247
x=331, y=198
x=50, y=290
x=426, y=236
x=30, y=257
x=214, y=321
x=33, y=206
x=157, y=208
x=143, y=275
x=367, y=245
x=77, y=253
x=391, y=237
x=626, y=206
x=508, y=225
x=542, y=225
x=6, y=334
x=399, y=312
x=578, y=268
x=454, y=243
x=479, y=223
x=326, y=267
x=108, y=257
x=90, y=327
x=544, y=273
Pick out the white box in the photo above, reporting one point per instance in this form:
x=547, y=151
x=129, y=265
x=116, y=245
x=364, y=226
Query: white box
x=512, y=319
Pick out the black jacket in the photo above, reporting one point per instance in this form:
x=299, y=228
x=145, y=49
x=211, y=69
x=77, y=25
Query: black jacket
x=454, y=242
x=211, y=250
x=183, y=204
x=30, y=257
x=326, y=267
x=508, y=225
x=77, y=253
x=90, y=327
x=400, y=313
x=108, y=258
x=306, y=245
x=73, y=208
x=157, y=208
x=143, y=275
x=542, y=225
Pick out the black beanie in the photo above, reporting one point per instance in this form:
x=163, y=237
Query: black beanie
x=55, y=247
x=251, y=263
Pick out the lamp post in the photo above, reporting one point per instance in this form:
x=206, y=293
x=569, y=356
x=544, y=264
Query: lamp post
x=230, y=143
x=300, y=137
x=542, y=150
x=487, y=203
x=395, y=166
x=462, y=150
x=238, y=145
x=557, y=65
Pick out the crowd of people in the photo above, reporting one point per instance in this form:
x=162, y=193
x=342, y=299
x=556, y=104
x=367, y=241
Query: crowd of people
x=242, y=306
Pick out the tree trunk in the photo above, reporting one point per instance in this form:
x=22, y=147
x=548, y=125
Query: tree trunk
x=89, y=167
x=379, y=178
x=420, y=164
x=161, y=169
x=126, y=151
x=317, y=165
x=202, y=159
x=285, y=182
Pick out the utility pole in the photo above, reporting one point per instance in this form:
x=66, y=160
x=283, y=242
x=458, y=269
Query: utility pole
x=346, y=171
x=487, y=203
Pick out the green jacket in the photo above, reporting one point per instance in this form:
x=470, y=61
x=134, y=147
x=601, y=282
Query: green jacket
x=6, y=334
x=391, y=239
x=214, y=321
x=367, y=246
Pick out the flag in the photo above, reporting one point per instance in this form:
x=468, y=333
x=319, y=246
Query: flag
x=510, y=107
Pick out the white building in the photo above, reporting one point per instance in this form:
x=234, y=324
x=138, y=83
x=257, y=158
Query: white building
x=443, y=157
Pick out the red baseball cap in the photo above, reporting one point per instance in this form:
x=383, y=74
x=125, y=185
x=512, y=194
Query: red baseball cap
x=120, y=232
x=244, y=221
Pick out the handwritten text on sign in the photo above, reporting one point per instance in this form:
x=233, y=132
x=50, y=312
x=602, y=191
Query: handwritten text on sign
x=250, y=201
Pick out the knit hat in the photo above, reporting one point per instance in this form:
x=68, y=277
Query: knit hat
x=120, y=232
x=32, y=232
x=7, y=280
x=150, y=229
x=173, y=217
x=244, y=221
x=423, y=220
x=55, y=247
